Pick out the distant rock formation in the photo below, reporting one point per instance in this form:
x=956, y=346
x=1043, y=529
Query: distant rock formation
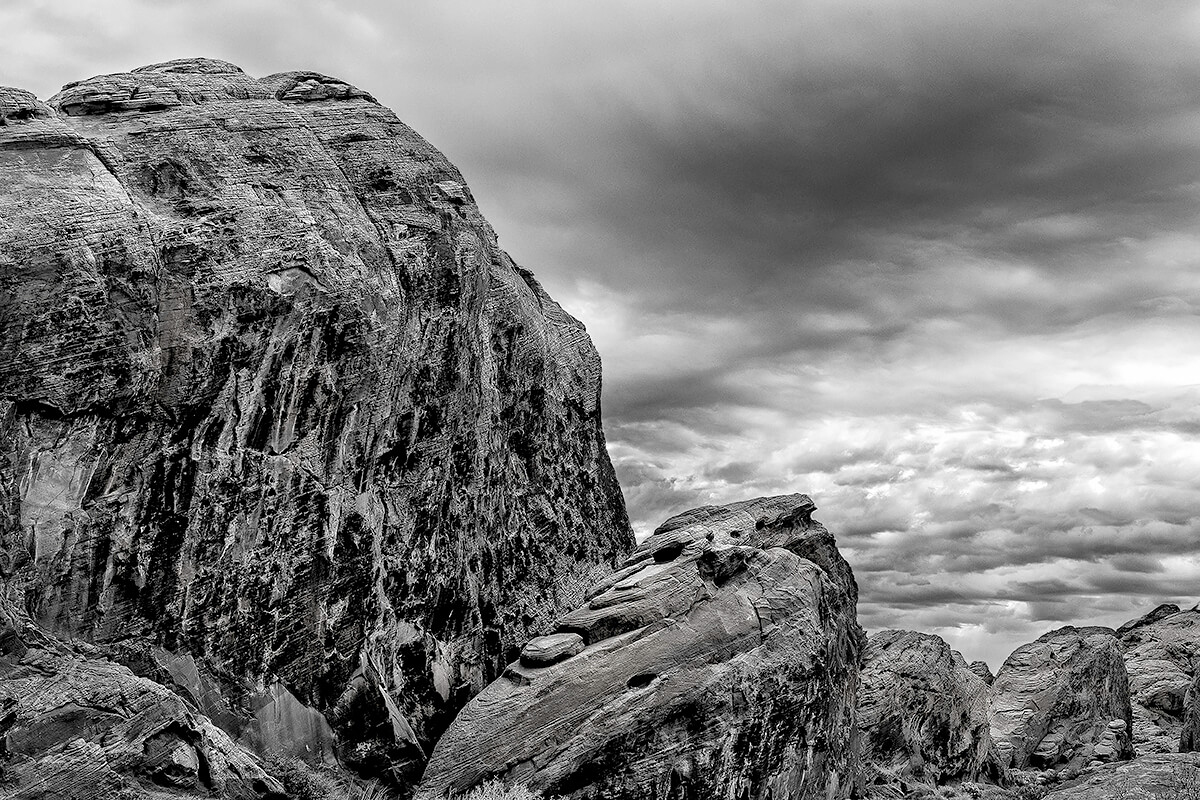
x=279, y=421
x=982, y=671
x=1062, y=702
x=1160, y=653
x=922, y=712
x=721, y=661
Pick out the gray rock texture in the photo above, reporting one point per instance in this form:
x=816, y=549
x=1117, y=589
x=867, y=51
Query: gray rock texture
x=982, y=671
x=1160, y=653
x=922, y=712
x=1150, y=777
x=76, y=726
x=274, y=402
x=721, y=661
x=1189, y=735
x=1062, y=702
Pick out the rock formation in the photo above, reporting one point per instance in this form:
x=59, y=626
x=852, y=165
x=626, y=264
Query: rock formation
x=78, y=727
x=720, y=661
x=982, y=671
x=1151, y=777
x=922, y=712
x=1160, y=651
x=1062, y=702
x=279, y=421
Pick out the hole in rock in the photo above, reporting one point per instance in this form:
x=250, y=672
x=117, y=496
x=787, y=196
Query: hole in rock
x=641, y=680
x=668, y=553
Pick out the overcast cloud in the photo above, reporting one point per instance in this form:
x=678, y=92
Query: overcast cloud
x=933, y=263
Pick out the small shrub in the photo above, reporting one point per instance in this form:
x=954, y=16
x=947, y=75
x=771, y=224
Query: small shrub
x=496, y=790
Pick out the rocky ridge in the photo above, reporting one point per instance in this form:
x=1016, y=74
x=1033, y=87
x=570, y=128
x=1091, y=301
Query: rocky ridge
x=281, y=425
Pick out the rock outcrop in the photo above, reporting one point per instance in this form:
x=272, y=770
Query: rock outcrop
x=1160, y=653
x=79, y=727
x=1151, y=777
x=721, y=661
x=922, y=712
x=275, y=405
x=1062, y=702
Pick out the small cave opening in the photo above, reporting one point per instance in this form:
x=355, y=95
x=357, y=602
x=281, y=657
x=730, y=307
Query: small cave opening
x=667, y=553
x=641, y=680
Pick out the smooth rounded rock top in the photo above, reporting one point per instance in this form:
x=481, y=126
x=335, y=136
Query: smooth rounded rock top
x=546, y=650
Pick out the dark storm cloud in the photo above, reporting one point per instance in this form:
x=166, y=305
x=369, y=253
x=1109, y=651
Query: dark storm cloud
x=933, y=263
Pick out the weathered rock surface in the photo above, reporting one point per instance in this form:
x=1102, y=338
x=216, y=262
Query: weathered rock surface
x=982, y=671
x=78, y=727
x=1062, y=702
x=1189, y=735
x=721, y=662
x=1150, y=777
x=1160, y=653
x=922, y=712
x=273, y=401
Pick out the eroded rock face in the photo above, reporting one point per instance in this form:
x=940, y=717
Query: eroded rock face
x=721, y=661
x=1062, y=702
x=922, y=712
x=1160, y=653
x=78, y=727
x=273, y=399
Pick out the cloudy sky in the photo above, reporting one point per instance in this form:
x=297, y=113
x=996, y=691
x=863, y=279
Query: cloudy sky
x=934, y=263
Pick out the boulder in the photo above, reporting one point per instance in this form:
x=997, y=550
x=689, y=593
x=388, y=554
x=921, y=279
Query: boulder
x=922, y=712
x=272, y=399
x=1160, y=652
x=1062, y=702
x=721, y=661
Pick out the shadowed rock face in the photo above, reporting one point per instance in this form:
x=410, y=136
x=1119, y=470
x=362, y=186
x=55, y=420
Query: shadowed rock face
x=1160, y=653
x=721, y=661
x=922, y=712
x=1062, y=701
x=273, y=400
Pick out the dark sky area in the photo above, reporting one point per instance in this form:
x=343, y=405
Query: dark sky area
x=933, y=263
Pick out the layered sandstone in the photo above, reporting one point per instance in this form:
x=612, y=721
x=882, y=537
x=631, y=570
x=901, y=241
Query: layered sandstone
x=721, y=661
x=279, y=421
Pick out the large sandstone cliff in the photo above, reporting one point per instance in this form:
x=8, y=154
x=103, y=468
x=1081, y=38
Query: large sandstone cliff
x=279, y=422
